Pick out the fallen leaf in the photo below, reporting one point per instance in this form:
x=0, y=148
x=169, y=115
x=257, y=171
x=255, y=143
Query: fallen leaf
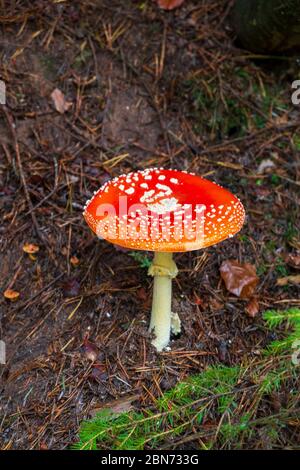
x=169, y=4
x=240, y=279
x=252, y=308
x=59, y=100
x=117, y=407
x=281, y=120
x=284, y=281
x=11, y=295
x=293, y=260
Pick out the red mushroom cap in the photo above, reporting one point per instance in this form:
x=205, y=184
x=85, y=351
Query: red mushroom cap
x=164, y=210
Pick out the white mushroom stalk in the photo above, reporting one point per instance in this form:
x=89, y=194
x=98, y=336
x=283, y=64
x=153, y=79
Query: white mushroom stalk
x=163, y=269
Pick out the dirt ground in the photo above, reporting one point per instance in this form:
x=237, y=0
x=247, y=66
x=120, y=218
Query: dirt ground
x=147, y=88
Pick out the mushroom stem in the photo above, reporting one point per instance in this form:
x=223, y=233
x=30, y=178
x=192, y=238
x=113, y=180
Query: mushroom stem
x=163, y=269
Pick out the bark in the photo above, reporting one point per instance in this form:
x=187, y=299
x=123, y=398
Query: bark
x=267, y=26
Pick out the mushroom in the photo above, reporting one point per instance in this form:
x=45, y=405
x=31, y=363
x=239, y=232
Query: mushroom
x=163, y=211
x=11, y=295
x=31, y=249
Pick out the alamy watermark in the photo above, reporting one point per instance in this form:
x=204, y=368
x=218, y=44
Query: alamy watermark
x=2, y=352
x=162, y=220
x=2, y=92
x=296, y=353
x=296, y=93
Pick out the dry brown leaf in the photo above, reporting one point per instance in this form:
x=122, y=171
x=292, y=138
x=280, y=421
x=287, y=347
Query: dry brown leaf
x=59, y=100
x=11, y=295
x=240, y=279
x=252, y=308
x=284, y=281
x=293, y=260
x=169, y=4
x=117, y=407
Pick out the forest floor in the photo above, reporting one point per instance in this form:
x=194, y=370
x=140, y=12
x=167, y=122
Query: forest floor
x=143, y=88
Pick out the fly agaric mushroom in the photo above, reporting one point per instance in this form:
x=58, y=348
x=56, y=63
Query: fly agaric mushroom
x=164, y=211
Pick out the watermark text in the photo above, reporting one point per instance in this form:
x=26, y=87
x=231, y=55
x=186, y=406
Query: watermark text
x=2, y=92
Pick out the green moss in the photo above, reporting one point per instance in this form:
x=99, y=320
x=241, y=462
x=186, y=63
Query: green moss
x=262, y=269
x=281, y=268
x=275, y=179
x=291, y=231
x=143, y=260
x=296, y=141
